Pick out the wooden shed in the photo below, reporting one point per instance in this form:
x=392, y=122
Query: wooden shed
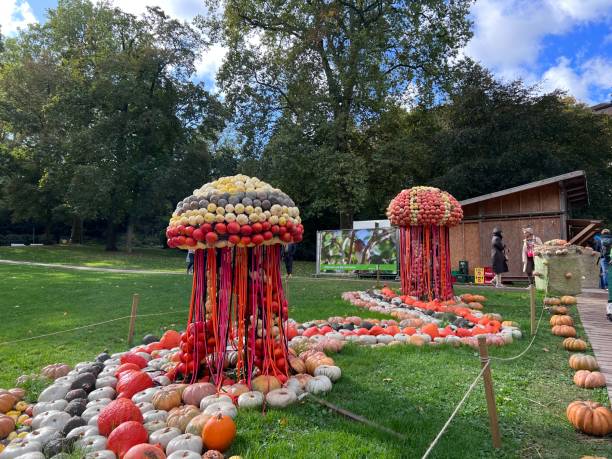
x=544, y=205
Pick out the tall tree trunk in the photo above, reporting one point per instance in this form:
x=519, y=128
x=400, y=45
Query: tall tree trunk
x=76, y=234
x=129, y=237
x=111, y=236
x=346, y=220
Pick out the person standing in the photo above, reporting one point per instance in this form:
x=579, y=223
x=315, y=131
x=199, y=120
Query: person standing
x=190, y=260
x=288, y=254
x=605, y=244
x=529, y=243
x=498, y=257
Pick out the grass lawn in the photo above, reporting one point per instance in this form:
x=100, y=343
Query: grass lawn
x=410, y=390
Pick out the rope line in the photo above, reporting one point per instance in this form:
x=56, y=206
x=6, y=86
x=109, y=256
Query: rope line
x=82, y=327
x=508, y=359
x=455, y=411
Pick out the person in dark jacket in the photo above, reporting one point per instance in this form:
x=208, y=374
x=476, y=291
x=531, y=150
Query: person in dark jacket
x=288, y=253
x=498, y=257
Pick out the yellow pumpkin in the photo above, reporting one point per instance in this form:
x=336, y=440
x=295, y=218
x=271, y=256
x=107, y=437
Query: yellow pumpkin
x=574, y=344
x=583, y=362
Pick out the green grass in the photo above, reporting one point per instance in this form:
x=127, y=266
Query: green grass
x=407, y=389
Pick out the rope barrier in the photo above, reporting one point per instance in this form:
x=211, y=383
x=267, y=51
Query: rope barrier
x=82, y=327
x=508, y=359
x=455, y=411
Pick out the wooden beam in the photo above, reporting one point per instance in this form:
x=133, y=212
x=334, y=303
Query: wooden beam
x=582, y=233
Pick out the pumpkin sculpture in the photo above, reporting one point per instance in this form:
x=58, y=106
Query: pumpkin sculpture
x=590, y=417
x=564, y=330
x=574, y=344
x=424, y=215
x=583, y=362
x=589, y=379
x=236, y=226
x=561, y=320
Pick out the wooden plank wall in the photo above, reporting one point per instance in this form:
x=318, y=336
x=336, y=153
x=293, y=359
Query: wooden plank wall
x=472, y=239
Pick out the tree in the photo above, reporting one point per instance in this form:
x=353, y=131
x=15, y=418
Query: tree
x=316, y=75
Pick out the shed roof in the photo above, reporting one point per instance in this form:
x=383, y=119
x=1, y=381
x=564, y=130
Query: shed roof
x=574, y=182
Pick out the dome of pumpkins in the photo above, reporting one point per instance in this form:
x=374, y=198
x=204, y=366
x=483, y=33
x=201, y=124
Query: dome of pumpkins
x=424, y=205
x=235, y=211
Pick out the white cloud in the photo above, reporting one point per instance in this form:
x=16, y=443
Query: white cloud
x=180, y=9
x=591, y=77
x=509, y=34
x=15, y=14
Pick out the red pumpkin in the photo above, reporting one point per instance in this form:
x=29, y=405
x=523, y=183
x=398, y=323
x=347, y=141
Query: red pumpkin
x=431, y=330
x=132, y=382
x=376, y=330
x=126, y=436
x=145, y=451
x=136, y=359
x=116, y=413
x=170, y=339
x=126, y=367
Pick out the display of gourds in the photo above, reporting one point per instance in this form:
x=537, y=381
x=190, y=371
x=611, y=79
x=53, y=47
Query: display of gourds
x=424, y=215
x=235, y=225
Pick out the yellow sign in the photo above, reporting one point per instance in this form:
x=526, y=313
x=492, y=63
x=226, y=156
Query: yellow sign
x=479, y=276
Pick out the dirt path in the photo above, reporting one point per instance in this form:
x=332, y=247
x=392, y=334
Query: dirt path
x=88, y=268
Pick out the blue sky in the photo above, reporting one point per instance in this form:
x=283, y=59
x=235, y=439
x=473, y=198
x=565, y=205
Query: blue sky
x=563, y=44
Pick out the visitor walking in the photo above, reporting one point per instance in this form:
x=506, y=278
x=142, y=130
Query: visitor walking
x=288, y=254
x=605, y=243
x=529, y=242
x=498, y=257
x=609, y=308
x=189, y=260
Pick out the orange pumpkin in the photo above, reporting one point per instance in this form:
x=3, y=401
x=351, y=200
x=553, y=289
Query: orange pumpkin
x=561, y=320
x=7, y=425
x=552, y=301
x=265, y=383
x=583, y=362
x=296, y=364
x=589, y=379
x=568, y=299
x=219, y=432
x=564, y=330
x=559, y=310
x=145, y=451
x=7, y=401
x=475, y=305
x=574, y=344
x=590, y=417
x=170, y=339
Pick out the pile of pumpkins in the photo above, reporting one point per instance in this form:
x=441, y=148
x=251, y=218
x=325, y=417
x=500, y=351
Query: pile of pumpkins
x=585, y=415
x=457, y=322
x=124, y=406
x=15, y=416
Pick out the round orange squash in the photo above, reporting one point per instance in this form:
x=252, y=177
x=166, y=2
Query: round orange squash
x=219, y=432
x=564, y=330
x=559, y=310
x=589, y=379
x=590, y=417
x=583, y=362
x=574, y=344
x=559, y=319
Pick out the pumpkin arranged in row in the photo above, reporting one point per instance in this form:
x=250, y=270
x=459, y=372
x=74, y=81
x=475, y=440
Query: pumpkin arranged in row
x=590, y=417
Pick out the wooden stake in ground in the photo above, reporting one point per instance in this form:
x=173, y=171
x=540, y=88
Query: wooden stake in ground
x=135, y=301
x=489, y=394
x=532, y=305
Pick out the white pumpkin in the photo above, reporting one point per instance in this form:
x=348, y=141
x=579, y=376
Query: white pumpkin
x=517, y=334
x=144, y=355
x=112, y=362
x=319, y=384
x=184, y=454
x=251, y=399
x=83, y=431
x=226, y=408
x=118, y=355
x=58, y=405
x=155, y=415
x=43, y=435
x=145, y=407
x=81, y=365
x=94, y=420
x=294, y=385
x=54, y=392
x=153, y=426
x=384, y=339
x=366, y=339
x=92, y=443
x=401, y=337
x=164, y=436
x=156, y=364
x=187, y=442
x=106, y=381
x=91, y=412
x=53, y=418
x=65, y=379
x=100, y=402
x=19, y=448
x=215, y=398
x=162, y=380
x=145, y=395
x=280, y=398
x=103, y=392
x=331, y=371
x=102, y=454
x=32, y=455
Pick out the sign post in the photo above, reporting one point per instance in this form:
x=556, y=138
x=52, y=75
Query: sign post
x=479, y=275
